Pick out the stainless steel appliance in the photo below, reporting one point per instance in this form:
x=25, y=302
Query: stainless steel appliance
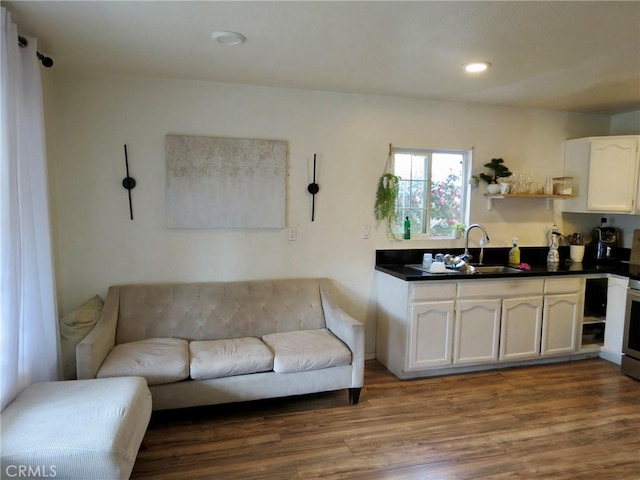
x=607, y=242
x=631, y=343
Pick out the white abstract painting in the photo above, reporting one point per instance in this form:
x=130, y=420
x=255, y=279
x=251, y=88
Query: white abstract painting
x=215, y=182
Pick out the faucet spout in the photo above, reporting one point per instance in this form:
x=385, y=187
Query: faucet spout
x=483, y=241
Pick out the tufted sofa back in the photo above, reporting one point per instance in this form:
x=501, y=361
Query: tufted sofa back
x=218, y=310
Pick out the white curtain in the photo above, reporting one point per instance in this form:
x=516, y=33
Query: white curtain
x=28, y=315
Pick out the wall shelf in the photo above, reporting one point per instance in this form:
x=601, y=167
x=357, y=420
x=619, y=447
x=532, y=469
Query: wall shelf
x=499, y=196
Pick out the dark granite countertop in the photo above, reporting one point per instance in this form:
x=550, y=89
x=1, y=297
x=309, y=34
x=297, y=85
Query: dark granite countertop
x=394, y=262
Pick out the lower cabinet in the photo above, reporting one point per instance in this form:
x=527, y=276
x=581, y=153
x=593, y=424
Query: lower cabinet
x=520, y=328
x=477, y=332
x=561, y=324
x=431, y=334
x=428, y=326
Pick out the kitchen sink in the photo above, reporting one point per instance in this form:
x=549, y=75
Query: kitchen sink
x=418, y=266
x=496, y=269
x=478, y=269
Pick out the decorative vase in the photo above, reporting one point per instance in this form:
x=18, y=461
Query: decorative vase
x=493, y=188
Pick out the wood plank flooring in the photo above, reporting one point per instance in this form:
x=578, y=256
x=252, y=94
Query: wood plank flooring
x=569, y=421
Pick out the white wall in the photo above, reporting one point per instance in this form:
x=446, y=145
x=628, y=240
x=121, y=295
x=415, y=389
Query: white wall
x=89, y=119
x=626, y=123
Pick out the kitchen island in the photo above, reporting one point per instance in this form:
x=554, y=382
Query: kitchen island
x=435, y=324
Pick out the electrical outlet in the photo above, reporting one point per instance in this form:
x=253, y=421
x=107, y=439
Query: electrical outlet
x=292, y=234
x=366, y=231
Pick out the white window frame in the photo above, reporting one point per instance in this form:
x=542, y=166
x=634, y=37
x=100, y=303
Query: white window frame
x=467, y=162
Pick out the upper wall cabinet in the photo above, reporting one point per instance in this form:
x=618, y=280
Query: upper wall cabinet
x=606, y=173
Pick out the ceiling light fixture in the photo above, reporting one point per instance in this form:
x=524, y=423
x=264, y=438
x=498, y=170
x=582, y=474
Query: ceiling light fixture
x=476, y=67
x=228, y=38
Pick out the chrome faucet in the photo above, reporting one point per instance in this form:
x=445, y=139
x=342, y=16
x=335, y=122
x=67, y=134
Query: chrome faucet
x=483, y=241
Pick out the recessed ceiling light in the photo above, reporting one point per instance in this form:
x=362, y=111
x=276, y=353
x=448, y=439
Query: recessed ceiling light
x=476, y=67
x=228, y=38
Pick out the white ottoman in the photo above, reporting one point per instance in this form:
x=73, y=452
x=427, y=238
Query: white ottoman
x=79, y=429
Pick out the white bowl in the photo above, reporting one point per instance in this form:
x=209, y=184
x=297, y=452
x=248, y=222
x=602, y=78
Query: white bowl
x=437, y=267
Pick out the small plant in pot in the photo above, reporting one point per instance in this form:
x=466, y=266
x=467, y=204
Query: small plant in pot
x=499, y=171
x=457, y=230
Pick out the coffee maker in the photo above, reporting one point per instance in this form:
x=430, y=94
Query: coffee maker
x=606, y=241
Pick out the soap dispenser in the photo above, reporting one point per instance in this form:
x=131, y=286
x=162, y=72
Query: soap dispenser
x=514, y=253
x=553, y=257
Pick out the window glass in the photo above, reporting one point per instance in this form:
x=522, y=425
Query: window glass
x=432, y=190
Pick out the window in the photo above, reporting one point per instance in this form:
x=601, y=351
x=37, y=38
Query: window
x=432, y=193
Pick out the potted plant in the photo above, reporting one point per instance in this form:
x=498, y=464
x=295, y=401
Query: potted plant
x=499, y=171
x=457, y=230
x=386, y=196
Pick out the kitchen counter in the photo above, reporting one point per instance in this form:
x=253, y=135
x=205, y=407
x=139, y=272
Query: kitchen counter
x=469, y=322
x=394, y=262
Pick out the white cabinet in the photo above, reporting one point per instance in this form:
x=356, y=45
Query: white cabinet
x=562, y=313
x=561, y=321
x=415, y=322
x=613, y=174
x=453, y=325
x=431, y=334
x=520, y=328
x=614, y=332
x=606, y=174
x=519, y=307
x=477, y=331
x=431, y=312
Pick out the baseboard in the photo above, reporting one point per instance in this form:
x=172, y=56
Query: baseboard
x=611, y=357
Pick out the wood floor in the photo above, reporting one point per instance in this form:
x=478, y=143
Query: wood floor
x=570, y=421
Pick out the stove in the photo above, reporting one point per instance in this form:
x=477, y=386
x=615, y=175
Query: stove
x=631, y=343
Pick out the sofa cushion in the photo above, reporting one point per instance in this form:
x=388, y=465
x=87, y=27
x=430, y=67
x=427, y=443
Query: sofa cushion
x=225, y=358
x=158, y=360
x=302, y=350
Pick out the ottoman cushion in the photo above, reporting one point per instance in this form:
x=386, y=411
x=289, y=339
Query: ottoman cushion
x=80, y=429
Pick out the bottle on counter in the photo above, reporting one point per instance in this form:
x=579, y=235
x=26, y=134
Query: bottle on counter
x=553, y=257
x=514, y=253
x=407, y=229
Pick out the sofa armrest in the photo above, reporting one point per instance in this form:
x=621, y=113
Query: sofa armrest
x=94, y=348
x=346, y=328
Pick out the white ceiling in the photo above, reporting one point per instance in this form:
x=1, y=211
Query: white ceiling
x=561, y=55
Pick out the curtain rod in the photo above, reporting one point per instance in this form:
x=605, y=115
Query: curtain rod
x=46, y=61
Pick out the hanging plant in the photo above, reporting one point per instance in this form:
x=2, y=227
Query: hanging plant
x=387, y=195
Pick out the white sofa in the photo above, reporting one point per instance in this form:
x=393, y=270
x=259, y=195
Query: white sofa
x=220, y=342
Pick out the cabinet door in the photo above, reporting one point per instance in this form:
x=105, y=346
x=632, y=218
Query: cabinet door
x=477, y=331
x=614, y=327
x=520, y=328
x=613, y=175
x=431, y=334
x=560, y=325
